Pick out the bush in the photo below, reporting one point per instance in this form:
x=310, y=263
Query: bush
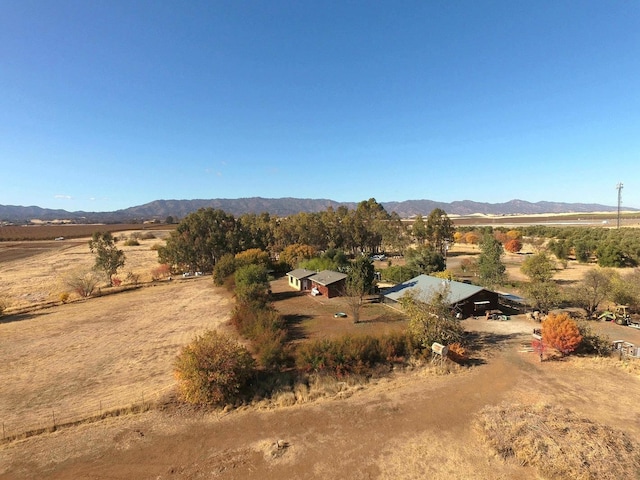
x=213, y=370
x=147, y=236
x=161, y=271
x=592, y=343
x=224, y=268
x=132, y=242
x=351, y=355
x=133, y=278
x=252, y=284
x=266, y=328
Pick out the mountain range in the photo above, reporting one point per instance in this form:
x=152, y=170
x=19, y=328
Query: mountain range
x=161, y=209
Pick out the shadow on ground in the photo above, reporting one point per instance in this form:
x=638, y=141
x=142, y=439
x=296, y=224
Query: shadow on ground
x=294, y=327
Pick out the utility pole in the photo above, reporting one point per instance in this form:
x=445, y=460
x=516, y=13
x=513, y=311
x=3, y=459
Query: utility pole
x=619, y=187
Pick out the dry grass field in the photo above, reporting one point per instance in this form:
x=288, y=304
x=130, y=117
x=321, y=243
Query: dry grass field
x=109, y=352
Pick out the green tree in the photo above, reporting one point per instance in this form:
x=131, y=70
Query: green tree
x=108, y=257
x=541, y=290
x=490, y=267
x=368, y=223
x=543, y=295
x=611, y=255
x=252, y=284
x=538, y=267
x=225, y=267
x=419, y=230
x=200, y=239
x=431, y=318
x=439, y=230
x=626, y=289
x=359, y=283
x=424, y=260
x=582, y=251
x=593, y=289
x=397, y=274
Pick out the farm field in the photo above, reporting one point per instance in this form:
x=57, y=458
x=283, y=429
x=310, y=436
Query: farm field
x=34, y=272
x=51, y=232
x=117, y=350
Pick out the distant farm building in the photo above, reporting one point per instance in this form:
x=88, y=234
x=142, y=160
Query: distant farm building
x=464, y=298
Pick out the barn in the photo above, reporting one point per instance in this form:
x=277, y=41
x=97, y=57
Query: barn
x=465, y=298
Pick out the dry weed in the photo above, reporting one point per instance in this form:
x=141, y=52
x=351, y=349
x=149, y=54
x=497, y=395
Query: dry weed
x=559, y=443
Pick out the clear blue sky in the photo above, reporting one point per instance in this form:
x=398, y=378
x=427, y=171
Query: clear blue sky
x=115, y=103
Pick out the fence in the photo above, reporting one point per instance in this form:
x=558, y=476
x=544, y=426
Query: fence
x=51, y=418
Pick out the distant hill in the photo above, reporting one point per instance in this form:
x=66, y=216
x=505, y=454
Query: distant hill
x=161, y=209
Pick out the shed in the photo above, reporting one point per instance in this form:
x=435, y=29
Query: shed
x=329, y=283
x=299, y=278
x=465, y=298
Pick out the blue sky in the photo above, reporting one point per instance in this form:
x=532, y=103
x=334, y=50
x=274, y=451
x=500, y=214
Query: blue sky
x=110, y=104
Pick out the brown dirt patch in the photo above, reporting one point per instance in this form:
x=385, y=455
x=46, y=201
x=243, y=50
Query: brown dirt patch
x=313, y=317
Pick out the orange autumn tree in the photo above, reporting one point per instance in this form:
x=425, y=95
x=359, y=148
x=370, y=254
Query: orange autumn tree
x=561, y=333
x=513, y=246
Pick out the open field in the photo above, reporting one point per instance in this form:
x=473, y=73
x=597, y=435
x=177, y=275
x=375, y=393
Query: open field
x=51, y=232
x=34, y=272
x=84, y=358
x=593, y=219
x=73, y=361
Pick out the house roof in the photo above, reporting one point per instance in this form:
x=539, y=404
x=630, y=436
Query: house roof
x=301, y=273
x=458, y=291
x=327, y=277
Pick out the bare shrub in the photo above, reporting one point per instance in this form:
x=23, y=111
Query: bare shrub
x=84, y=284
x=147, y=236
x=284, y=398
x=213, y=369
x=133, y=278
x=132, y=242
x=559, y=443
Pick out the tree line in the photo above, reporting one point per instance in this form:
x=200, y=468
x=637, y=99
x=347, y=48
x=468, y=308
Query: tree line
x=202, y=238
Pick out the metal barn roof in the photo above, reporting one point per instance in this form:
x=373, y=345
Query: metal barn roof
x=458, y=291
